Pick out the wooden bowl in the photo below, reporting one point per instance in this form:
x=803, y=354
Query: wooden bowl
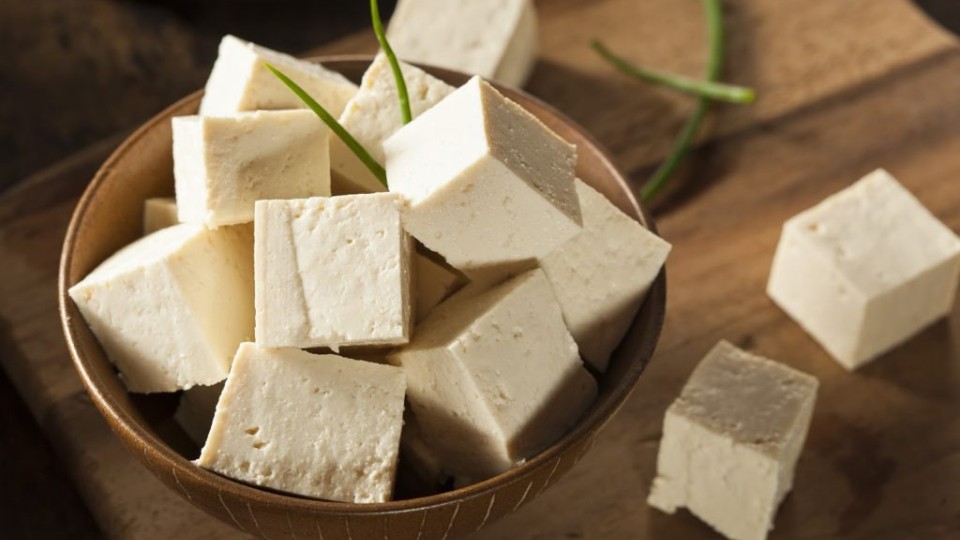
x=108, y=217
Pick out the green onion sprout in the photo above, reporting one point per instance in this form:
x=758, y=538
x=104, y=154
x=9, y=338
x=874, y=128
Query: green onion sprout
x=716, y=91
x=334, y=126
x=715, y=38
x=392, y=58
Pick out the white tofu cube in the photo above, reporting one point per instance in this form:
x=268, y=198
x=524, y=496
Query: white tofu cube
x=495, y=378
x=865, y=270
x=223, y=165
x=159, y=213
x=434, y=283
x=488, y=183
x=602, y=275
x=496, y=39
x=332, y=272
x=195, y=411
x=373, y=115
x=320, y=426
x=170, y=309
x=240, y=82
x=731, y=442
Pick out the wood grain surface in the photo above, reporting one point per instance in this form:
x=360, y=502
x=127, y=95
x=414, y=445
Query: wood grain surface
x=844, y=87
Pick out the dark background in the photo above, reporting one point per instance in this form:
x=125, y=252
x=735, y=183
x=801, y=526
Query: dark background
x=77, y=72
x=73, y=72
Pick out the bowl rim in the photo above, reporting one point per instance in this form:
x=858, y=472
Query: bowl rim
x=144, y=442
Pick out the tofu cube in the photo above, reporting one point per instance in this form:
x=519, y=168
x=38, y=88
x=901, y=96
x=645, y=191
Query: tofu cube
x=170, y=309
x=434, y=283
x=865, y=270
x=373, y=115
x=240, y=82
x=496, y=39
x=602, y=275
x=159, y=213
x=487, y=182
x=731, y=442
x=332, y=272
x=495, y=378
x=319, y=426
x=223, y=165
x=195, y=411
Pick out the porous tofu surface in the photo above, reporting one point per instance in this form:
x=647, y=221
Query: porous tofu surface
x=495, y=377
x=496, y=39
x=876, y=234
x=753, y=400
x=487, y=182
x=731, y=441
x=223, y=165
x=320, y=426
x=170, y=309
x=373, y=115
x=241, y=82
x=865, y=269
x=602, y=275
x=332, y=272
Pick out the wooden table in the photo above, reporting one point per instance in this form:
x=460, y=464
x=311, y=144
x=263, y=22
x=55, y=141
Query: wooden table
x=844, y=87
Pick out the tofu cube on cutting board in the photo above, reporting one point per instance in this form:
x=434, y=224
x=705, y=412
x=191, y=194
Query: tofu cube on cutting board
x=487, y=182
x=373, y=115
x=496, y=39
x=866, y=269
x=494, y=378
x=332, y=272
x=240, y=82
x=223, y=165
x=159, y=213
x=602, y=275
x=731, y=442
x=185, y=281
x=320, y=426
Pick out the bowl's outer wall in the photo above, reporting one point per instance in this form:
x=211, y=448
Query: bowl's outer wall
x=109, y=216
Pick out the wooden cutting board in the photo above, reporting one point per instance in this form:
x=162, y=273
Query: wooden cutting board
x=844, y=87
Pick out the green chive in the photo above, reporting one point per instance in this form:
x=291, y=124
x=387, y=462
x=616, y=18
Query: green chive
x=392, y=58
x=707, y=89
x=715, y=36
x=334, y=126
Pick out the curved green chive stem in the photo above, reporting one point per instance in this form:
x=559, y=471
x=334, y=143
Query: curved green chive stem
x=714, y=12
x=334, y=126
x=717, y=91
x=392, y=58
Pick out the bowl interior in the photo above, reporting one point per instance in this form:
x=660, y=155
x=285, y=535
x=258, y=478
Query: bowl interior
x=109, y=216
